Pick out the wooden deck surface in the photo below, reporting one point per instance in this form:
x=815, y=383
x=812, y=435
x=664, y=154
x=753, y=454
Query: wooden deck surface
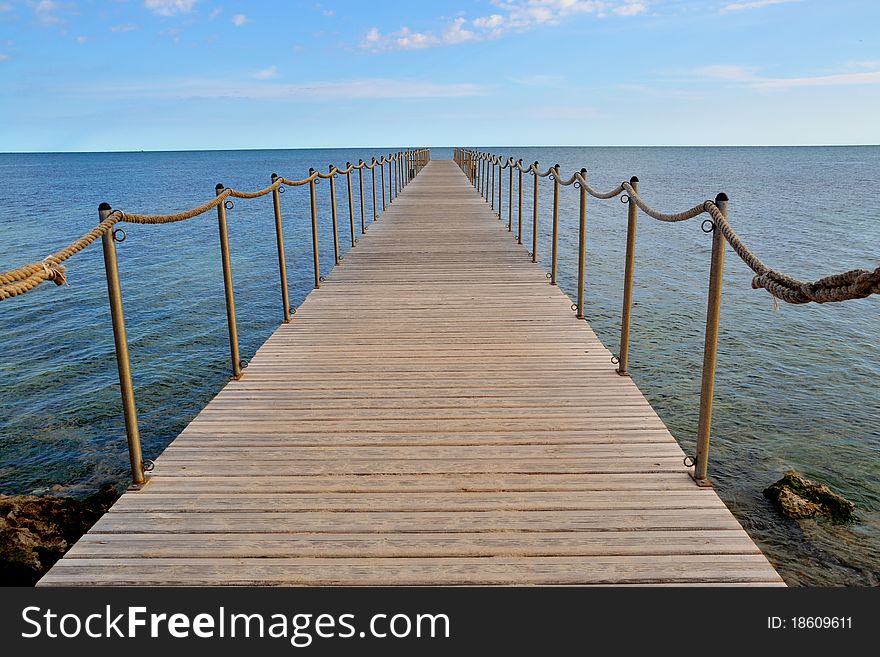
x=434, y=414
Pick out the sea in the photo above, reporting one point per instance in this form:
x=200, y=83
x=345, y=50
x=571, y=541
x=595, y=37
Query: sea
x=796, y=387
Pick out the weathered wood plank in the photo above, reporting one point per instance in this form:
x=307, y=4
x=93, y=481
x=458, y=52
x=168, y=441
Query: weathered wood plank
x=434, y=414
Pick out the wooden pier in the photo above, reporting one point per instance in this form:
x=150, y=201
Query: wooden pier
x=433, y=415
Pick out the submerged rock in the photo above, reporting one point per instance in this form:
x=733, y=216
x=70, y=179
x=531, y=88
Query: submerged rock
x=35, y=531
x=797, y=497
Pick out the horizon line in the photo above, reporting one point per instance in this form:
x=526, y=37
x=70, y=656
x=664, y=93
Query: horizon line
x=327, y=148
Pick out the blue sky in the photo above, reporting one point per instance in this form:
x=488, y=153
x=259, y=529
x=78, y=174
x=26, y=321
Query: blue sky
x=84, y=75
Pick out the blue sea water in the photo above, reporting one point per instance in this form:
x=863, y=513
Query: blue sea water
x=796, y=385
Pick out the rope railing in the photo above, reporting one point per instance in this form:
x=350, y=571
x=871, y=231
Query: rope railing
x=479, y=167
x=25, y=278
x=402, y=166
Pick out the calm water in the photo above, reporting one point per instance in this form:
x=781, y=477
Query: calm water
x=796, y=386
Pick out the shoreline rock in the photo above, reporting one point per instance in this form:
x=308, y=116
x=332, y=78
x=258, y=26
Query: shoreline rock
x=797, y=497
x=36, y=531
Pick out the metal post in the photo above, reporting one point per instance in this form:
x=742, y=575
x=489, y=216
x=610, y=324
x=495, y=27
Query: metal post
x=582, y=245
x=390, y=179
x=555, y=256
x=333, y=214
x=535, y=218
x=361, y=188
x=492, y=185
x=373, y=177
x=632, y=214
x=500, y=178
x=510, y=194
x=519, y=190
x=314, y=204
x=382, y=171
x=123, y=363
x=227, y=285
x=350, y=204
x=279, y=239
x=710, y=350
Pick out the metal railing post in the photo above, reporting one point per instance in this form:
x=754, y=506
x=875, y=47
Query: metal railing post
x=535, y=218
x=279, y=240
x=350, y=204
x=390, y=179
x=519, y=190
x=510, y=194
x=382, y=172
x=555, y=255
x=314, y=207
x=710, y=349
x=333, y=214
x=227, y=285
x=123, y=362
x=373, y=177
x=361, y=189
x=582, y=245
x=626, y=313
x=492, y=185
x=500, y=178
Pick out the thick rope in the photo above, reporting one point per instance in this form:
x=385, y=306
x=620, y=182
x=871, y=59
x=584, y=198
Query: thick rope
x=23, y=279
x=853, y=284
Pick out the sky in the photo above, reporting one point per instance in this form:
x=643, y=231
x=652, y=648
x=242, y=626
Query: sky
x=87, y=75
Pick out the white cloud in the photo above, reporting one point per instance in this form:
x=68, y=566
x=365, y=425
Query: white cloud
x=748, y=77
x=5, y=57
x=125, y=27
x=266, y=73
x=82, y=39
x=6, y=6
x=215, y=13
x=45, y=11
x=170, y=7
x=324, y=90
x=754, y=4
x=513, y=15
x=240, y=19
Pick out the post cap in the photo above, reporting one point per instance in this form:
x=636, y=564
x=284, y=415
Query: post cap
x=347, y=164
x=583, y=170
x=634, y=179
x=274, y=176
x=536, y=162
x=360, y=161
x=219, y=187
x=556, y=166
x=311, y=170
x=104, y=207
x=721, y=198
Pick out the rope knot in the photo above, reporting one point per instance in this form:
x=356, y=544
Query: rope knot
x=54, y=272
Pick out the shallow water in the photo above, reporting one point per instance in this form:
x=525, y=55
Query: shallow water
x=795, y=385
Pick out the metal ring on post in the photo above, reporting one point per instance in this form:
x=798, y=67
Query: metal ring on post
x=710, y=229
x=549, y=275
x=116, y=233
x=530, y=254
x=243, y=364
x=293, y=310
x=321, y=278
x=574, y=307
x=228, y=204
x=624, y=198
x=689, y=461
x=615, y=360
x=148, y=465
x=281, y=189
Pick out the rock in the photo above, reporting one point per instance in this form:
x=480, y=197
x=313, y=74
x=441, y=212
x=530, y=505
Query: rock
x=35, y=531
x=797, y=497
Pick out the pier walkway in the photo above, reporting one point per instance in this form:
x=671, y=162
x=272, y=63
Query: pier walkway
x=433, y=415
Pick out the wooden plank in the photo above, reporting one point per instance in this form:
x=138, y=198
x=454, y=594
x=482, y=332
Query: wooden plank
x=434, y=415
